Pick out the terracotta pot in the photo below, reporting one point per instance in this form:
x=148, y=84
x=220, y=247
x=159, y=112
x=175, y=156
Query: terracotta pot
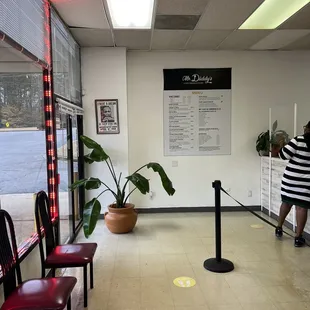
x=121, y=220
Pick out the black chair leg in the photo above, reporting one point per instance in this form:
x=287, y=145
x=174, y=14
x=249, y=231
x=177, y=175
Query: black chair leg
x=43, y=272
x=91, y=269
x=85, y=286
x=53, y=272
x=69, y=304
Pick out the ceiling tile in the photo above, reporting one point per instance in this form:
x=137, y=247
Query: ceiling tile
x=133, y=39
x=300, y=20
x=207, y=39
x=243, y=39
x=279, y=39
x=176, y=22
x=92, y=37
x=181, y=7
x=227, y=14
x=82, y=13
x=170, y=39
x=301, y=44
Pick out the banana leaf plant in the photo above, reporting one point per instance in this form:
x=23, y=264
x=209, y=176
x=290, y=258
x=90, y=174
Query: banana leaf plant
x=92, y=208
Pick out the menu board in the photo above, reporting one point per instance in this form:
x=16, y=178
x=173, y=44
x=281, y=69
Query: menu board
x=197, y=112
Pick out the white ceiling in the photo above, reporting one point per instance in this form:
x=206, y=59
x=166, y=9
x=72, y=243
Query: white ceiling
x=186, y=25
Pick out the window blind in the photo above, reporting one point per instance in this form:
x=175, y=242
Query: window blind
x=66, y=62
x=23, y=21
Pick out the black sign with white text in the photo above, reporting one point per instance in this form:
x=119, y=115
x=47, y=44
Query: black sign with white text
x=197, y=79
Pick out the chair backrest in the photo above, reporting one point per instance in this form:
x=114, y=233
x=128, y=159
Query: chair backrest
x=9, y=261
x=43, y=219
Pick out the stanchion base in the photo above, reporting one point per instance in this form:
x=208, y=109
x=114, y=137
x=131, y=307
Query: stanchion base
x=222, y=266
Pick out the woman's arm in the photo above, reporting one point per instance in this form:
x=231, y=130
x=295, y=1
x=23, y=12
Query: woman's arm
x=288, y=151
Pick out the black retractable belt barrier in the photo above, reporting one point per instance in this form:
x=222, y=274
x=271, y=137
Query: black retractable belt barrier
x=255, y=214
x=218, y=264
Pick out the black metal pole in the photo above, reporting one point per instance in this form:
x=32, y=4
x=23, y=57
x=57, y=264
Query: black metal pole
x=218, y=232
x=218, y=264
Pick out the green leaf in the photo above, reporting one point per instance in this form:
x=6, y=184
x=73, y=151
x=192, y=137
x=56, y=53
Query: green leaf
x=274, y=126
x=167, y=184
x=91, y=215
x=262, y=142
x=92, y=183
x=87, y=159
x=77, y=184
x=140, y=182
x=88, y=142
x=97, y=155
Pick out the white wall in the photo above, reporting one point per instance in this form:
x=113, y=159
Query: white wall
x=104, y=77
x=260, y=80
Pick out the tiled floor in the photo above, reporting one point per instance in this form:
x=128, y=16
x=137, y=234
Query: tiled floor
x=136, y=271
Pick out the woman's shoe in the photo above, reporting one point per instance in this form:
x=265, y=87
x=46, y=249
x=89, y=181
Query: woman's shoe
x=299, y=242
x=279, y=232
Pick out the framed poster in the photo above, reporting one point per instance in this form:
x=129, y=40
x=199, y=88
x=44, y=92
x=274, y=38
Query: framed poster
x=197, y=112
x=107, y=120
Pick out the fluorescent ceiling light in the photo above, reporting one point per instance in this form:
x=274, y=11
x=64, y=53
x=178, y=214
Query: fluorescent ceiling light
x=272, y=13
x=131, y=14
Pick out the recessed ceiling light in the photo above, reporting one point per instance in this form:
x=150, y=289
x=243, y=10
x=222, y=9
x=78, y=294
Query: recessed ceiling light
x=272, y=13
x=131, y=14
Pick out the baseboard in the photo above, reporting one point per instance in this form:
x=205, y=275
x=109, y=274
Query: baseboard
x=194, y=209
x=191, y=210
x=286, y=223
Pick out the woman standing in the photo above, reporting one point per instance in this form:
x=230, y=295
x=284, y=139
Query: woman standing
x=295, y=189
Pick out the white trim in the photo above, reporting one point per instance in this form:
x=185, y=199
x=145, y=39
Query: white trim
x=69, y=108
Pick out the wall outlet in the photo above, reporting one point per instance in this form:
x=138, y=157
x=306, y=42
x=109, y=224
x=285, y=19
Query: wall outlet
x=151, y=194
x=175, y=163
x=250, y=193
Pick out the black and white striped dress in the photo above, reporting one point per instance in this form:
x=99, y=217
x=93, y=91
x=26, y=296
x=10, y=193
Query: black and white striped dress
x=295, y=188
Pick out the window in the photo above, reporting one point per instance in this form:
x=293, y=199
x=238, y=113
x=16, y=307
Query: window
x=66, y=62
x=23, y=170
x=23, y=21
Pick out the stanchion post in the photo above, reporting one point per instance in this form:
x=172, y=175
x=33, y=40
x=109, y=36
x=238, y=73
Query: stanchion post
x=218, y=230
x=218, y=264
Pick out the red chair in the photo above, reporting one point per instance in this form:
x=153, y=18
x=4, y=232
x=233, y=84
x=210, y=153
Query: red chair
x=43, y=294
x=61, y=256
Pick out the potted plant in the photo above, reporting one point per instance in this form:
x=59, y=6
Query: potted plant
x=266, y=143
x=122, y=216
x=263, y=144
x=278, y=139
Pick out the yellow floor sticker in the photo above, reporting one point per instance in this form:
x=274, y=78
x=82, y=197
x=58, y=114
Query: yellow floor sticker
x=184, y=282
x=257, y=226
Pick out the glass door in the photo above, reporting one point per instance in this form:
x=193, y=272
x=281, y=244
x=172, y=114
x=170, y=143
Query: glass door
x=81, y=170
x=75, y=147
x=70, y=169
x=64, y=148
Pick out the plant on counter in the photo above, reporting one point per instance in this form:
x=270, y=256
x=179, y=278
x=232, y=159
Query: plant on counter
x=266, y=143
x=121, y=217
x=263, y=144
